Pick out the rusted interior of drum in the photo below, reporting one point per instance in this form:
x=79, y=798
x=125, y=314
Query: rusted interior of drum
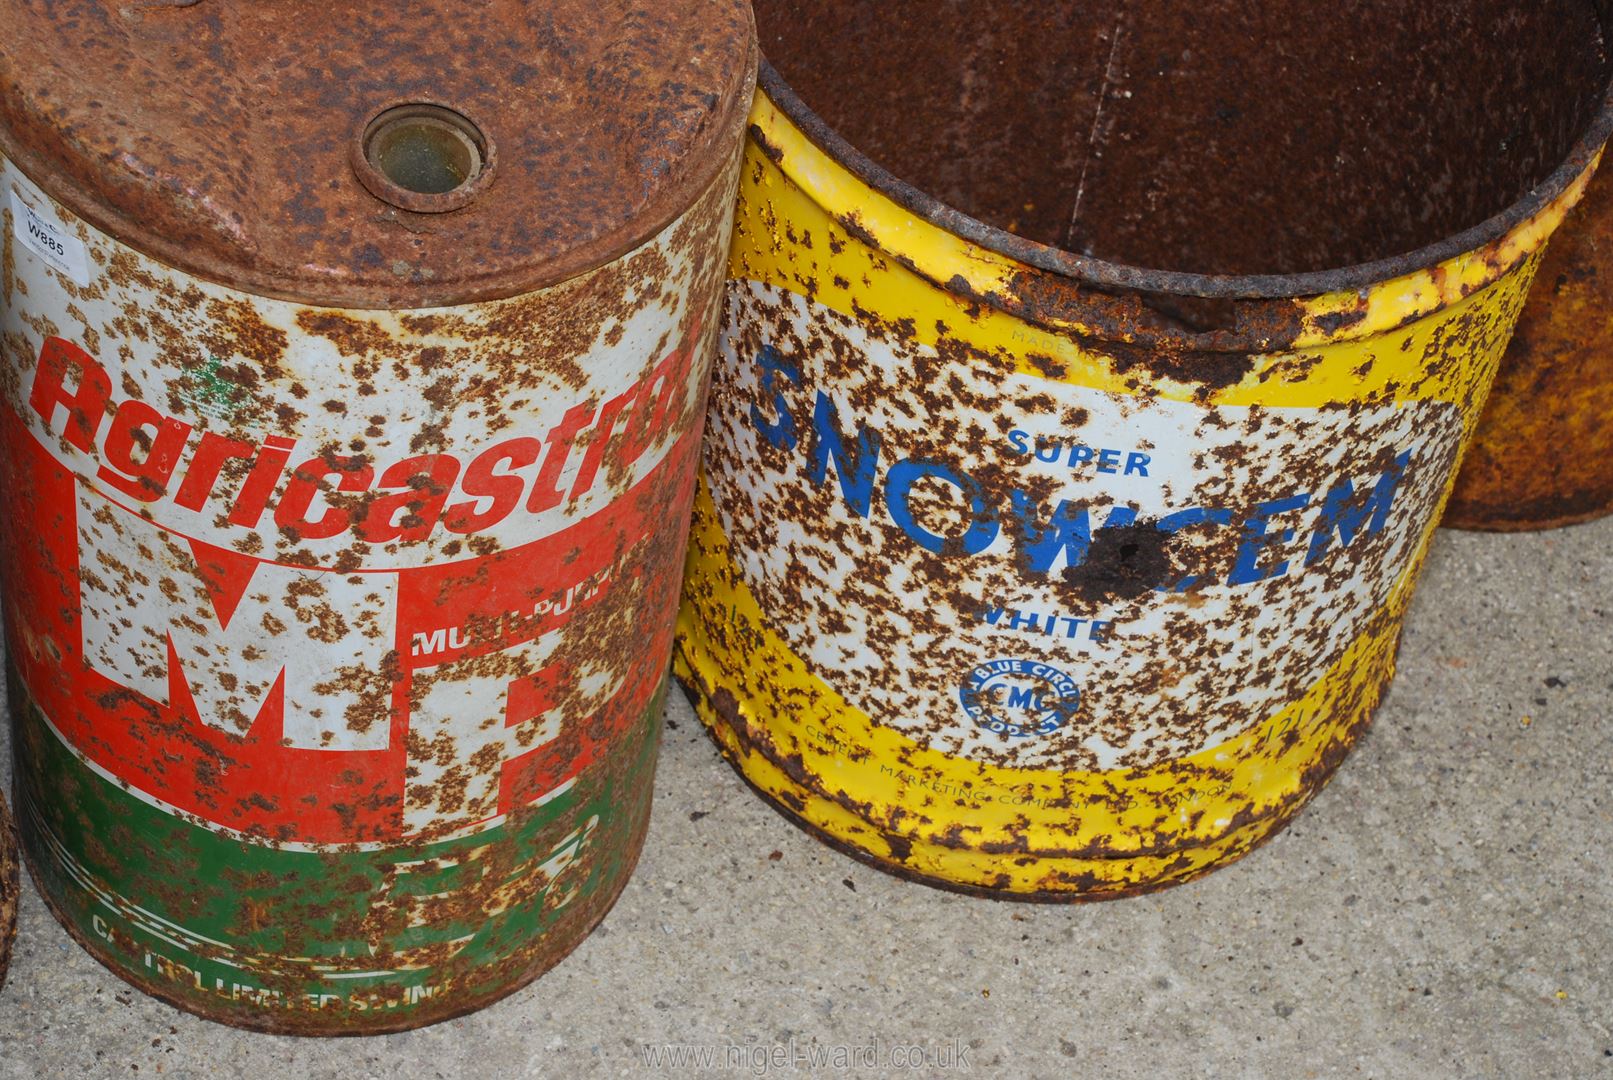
x=1206, y=136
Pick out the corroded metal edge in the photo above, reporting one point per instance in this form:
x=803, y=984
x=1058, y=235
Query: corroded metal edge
x=10, y=889
x=1103, y=273
x=247, y=1022
x=1529, y=525
x=1138, y=316
x=1262, y=831
x=132, y=226
x=1543, y=456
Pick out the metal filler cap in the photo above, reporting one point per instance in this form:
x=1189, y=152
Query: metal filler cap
x=400, y=155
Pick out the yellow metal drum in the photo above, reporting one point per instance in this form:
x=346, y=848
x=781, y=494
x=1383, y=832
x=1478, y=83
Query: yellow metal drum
x=1544, y=454
x=1026, y=574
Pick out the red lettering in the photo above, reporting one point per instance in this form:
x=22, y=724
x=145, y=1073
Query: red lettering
x=423, y=485
x=260, y=482
x=86, y=405
x=144, y=450
x=206, y=462
x=546, y=493
x=147, y=479
x=483, y=481
x=600, y=441
x=353, y=475
x=661, y=393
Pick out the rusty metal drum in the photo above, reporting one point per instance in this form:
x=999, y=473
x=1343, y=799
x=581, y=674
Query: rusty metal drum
x=1543, y=457
x=1086, y=405
x=352, y=388
x=10, y=890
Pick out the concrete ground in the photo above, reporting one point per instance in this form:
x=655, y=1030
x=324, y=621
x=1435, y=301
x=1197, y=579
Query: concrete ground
x=1444, y=909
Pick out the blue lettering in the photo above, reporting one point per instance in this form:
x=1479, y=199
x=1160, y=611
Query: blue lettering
x=1246, y=569
x=1024, y=697
x=983, y=524
x=780, y=433
x=1337, y=514
x=1020, y=441
x=1030, y=622
x=856, y=470
x=1172, y=524
x=1067, y=532
x=1109, y=461
x=1137, y=464
x=1022, y=621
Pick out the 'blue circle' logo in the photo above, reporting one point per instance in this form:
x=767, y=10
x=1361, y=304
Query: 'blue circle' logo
x=1019, y=698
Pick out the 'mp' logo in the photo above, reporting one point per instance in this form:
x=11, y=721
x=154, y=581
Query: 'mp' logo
x=1019, y=698
x=241, y=641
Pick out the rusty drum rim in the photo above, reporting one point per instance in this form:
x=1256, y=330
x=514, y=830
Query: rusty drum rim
x=677, y=184
x=1106, y=274
x=669, y=204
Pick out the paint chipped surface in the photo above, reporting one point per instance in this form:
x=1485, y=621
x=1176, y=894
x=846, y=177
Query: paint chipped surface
x=338, y=638
x=1544, y=457
x=607, y=121
x=905, y=517
x=1034, y=590
x=10, y=889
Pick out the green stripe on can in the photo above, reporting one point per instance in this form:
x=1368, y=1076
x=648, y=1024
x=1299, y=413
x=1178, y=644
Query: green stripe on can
x=320, y=941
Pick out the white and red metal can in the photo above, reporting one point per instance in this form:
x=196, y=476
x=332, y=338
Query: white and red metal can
x=350, y=391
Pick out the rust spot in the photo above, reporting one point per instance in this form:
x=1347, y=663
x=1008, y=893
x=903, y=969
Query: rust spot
x=633, y=132
x=1133, y=134
x=1210, y=371
x=10, y=894
x=1124, y=563
x=774, y=154
x=1543, y=456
